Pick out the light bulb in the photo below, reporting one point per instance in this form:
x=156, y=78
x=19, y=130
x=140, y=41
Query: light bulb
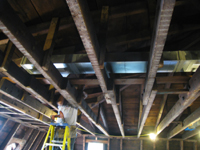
x=152, y=136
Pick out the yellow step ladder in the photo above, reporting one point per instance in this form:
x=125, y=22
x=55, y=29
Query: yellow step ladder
x=54, y=143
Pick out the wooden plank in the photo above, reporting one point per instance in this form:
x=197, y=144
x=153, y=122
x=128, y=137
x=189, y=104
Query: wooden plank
x=181, y=145
x=162, y=105
x=31, y=140
x=190, y=134
x=23, y=109
x=163, y=18
x=140, y=105
x=41, y=144
x=191, y=119
x=86, y=126
x=172, y=79
x=5, y=123
x=146, y=111
x=141, y=144
x=141, y=138
x=103, y=116
x=167, y=145
x=103, y=35
x=9, y=89
x=195, y=146
x=10, y=135
x=184, y=101
x=27, y=45
x=98, y=113
x=132, y=81
x=108, y=145
x=83, y=21
x=121, y=144
x=38, y=140
x=83, y=142
x=50, y=43
x=172, y=91
x=23, y=79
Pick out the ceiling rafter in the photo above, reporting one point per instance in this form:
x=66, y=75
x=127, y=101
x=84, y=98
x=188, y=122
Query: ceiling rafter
x=163, y=18
x=162, y=22
x=24, y=41
x=80, y=13
x=184, y=101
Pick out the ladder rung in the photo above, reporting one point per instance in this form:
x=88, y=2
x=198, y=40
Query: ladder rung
x=54, y=141
x=52, y=144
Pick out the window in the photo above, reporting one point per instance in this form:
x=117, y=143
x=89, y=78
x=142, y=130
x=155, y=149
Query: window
x=12, y=146
x=95, y=146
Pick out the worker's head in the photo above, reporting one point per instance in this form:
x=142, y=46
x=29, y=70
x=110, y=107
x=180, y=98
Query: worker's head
x=60, y=101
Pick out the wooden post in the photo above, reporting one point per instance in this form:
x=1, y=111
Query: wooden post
x=108, y=146
x=121, y=144
x=181, y=145
x=83, y=142
x=195, y=145
x=167, y=145
x=141, y=144
x=154, y=145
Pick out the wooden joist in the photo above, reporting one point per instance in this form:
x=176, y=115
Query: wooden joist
x=162, y=22
x=31, y=140
x=190, y=134
x=38, y=140
x=24, y=79
x=133, y=81
x=184, y=101
x=11, y=90
x=25, y=42
x=23, y=109
x=80, y=12
x=162, y=105
x=10, y=135
x=192, y=118
x=146, y=110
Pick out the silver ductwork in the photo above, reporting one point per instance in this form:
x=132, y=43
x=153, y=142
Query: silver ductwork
x=173, y=61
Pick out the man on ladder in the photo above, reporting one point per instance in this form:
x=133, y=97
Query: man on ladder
x=67, y=114
x=64, y=129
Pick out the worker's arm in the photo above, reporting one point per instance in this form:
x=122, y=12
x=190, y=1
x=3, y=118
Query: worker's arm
x=60, y=116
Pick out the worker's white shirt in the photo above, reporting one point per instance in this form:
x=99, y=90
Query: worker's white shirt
x=70, y=115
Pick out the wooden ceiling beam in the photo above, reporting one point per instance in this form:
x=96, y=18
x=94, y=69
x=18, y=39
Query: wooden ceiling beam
x=25, y=42
x=133, y=81
x=145, y=112
x=184, y=101
x=163, y=18
x=189, y=134
x=162, y=105
x=191, y=119
x=83, y=21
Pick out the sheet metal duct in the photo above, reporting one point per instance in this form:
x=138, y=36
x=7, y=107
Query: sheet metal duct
x=174, y=61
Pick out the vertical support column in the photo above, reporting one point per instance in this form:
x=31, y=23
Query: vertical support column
x=181, y=145
x=167, y=145
x=108, y=146
x=121, y=144
x=141, y=144
x=195, y=146
x=83, y=142
x=154, y=145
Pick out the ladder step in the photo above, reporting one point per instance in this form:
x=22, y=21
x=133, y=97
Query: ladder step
x=55, y=141
x=52, y=144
